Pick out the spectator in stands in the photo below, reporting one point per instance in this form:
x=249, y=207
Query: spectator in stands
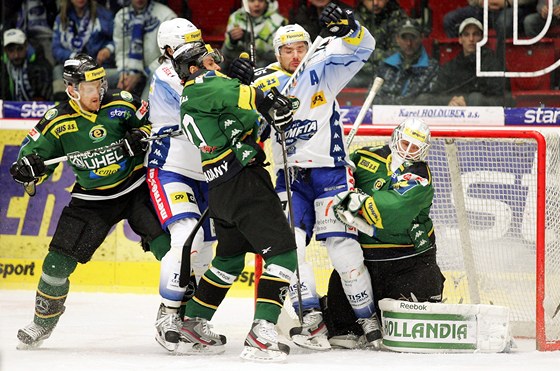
x=82, y=26
x=457, y=83
x=266, y=20
x=534, y=23
x=26, y=73
x=409, y=74
x=382, y=18
x=35, y=18
x=307, y=16
x=500, y=16
x=136, y=47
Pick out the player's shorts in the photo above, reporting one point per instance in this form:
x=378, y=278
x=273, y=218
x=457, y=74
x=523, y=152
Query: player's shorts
x=177, y=197
x=313, y=191
x=248, y=216
x=84, y=224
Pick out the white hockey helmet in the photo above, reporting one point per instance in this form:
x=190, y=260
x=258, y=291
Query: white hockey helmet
x=176, y=32
x=290, y=34
x=411, y=140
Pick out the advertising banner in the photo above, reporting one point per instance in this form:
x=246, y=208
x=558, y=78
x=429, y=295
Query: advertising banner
x=541, y=116
x=27, y=225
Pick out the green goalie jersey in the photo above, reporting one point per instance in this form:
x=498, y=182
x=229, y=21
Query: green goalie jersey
x=219, y=117
x=66, y=129
x=399, y=205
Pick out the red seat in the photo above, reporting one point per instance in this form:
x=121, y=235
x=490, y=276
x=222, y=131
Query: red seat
x=530, y=58
x=537, y=98
x=212, y=20
x=352, y=96
x=445, y=49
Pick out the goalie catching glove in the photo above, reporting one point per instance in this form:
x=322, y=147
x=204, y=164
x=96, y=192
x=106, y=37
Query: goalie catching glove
x=133, y=143
x=276, y=110
x=347, y=206
x=338, y=22
x=28, y=169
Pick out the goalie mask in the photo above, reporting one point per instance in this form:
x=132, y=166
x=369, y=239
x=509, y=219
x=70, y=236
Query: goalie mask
x=290, y=34
x=176, y=32
x=193, y=54
x=410, y=140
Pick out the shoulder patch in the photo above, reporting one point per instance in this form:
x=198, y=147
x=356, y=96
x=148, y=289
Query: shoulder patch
x=51, y=114
x=126, y=96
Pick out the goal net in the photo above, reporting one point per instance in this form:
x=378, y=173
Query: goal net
x=496, y=213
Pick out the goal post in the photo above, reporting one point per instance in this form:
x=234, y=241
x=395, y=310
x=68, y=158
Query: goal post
x=496, y=214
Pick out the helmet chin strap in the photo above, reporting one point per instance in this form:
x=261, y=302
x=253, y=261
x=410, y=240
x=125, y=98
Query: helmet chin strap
x=77, y=100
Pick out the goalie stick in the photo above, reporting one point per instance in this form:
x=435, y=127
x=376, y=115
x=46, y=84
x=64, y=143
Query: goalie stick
x=377, y=84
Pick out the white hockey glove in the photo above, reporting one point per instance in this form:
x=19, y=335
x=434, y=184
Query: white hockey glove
x=346, y=208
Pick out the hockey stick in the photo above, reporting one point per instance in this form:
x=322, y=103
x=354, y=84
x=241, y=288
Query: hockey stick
x=185, y=273
x=377, y=83
x=251, y=30
x=292, y=82
x=75, y=157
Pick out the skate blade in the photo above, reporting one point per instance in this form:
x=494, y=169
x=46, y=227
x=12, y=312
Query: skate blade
x=315, y=343
x=197, y=348
x=258, y=355
x=170, y=347
x=23, y=346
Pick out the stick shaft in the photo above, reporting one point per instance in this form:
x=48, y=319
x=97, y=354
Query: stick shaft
x=377, y=83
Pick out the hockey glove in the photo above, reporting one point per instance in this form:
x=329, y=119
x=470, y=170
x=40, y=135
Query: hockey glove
x=242, y=69
x=133, y=144
x=338, y=22
x=28, y=169
x=277, y=110
x=347, y=206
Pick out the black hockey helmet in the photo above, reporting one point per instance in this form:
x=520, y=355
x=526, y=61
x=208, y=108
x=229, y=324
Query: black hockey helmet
x=193, y=54
x=82, y=68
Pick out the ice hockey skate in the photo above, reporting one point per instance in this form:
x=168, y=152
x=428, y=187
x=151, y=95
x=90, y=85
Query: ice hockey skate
x=313, y=333
x=262, y=344
x=32, y=336
x=348, y=341
x=197, y=337
x=372, y=332
x=168, y=328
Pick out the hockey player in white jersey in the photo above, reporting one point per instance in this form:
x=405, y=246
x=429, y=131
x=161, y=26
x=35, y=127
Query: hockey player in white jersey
x=177, y=185
x=319, y=166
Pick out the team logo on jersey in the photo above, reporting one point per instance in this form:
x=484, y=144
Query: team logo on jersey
x=181, y=197
x=300, y=130
x=295, y=102
x=51, y=114
x=64, y=128
x=34, y=134
x=97, y=133
x=379, y=183
x=126, y=96
x=107, y=170
x=318, y=99
x=368, y=165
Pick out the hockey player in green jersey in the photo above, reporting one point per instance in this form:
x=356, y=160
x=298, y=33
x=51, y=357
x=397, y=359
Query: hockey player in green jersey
x=394, y=194
x=107, y=128
x=219, y=115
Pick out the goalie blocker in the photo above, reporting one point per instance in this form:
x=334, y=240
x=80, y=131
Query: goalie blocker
x=423, y=327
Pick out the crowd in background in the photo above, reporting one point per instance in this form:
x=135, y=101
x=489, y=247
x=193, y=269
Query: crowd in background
x=39, y=35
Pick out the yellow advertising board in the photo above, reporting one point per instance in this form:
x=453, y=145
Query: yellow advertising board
x=27, y=225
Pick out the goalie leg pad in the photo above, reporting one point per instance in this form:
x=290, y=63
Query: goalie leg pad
x=423, y=327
